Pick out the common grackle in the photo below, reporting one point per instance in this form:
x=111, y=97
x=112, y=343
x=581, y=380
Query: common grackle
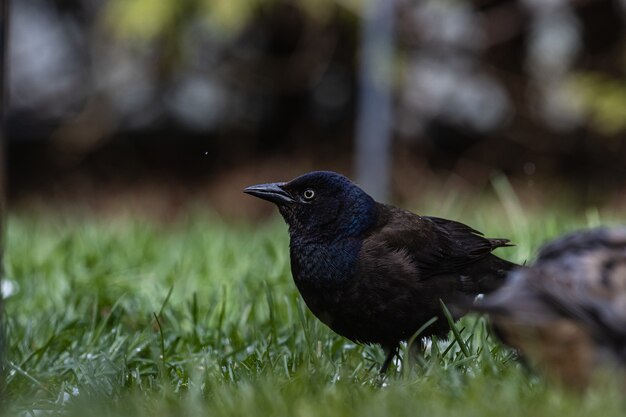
x=566, y=314
x=372, y=272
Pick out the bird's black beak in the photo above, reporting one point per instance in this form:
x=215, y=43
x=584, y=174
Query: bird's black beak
x=273, y=192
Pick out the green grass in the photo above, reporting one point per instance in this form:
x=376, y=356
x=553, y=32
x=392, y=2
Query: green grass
x=199, y=317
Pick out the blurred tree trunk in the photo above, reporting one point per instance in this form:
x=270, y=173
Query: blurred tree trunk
x=373, y=136
x=4, y=24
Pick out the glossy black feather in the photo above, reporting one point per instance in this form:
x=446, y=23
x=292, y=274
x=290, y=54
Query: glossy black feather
x=375, y=273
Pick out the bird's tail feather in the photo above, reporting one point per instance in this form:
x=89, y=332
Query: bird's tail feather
x=500, y=243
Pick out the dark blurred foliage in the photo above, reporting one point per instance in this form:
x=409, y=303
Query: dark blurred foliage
x=126, y=91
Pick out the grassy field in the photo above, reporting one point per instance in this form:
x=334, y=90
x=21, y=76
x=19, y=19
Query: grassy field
x=126, y=316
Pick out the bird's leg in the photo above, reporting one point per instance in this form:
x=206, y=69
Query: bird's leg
x=415, y=354
x=390, y=353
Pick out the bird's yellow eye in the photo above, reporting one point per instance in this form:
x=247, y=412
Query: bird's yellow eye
x=309, y=194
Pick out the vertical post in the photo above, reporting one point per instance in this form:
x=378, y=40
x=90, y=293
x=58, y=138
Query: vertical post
x=373, y=135
x=4, y=33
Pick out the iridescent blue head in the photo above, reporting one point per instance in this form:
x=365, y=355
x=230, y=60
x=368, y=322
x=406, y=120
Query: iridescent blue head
x=320, y=204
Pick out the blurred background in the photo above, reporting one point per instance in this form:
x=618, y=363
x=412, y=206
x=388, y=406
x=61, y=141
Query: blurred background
x=149, y=105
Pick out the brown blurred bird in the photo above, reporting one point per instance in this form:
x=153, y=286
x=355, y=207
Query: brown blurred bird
x=566, y=314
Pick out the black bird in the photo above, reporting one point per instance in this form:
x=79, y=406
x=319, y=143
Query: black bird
x=372, y=272
x=566, y=313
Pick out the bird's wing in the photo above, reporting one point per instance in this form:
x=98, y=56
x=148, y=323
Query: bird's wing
x=435, y=245
x=462, y=232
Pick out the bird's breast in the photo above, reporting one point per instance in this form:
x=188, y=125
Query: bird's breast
x=323, y=266
x=323, y=273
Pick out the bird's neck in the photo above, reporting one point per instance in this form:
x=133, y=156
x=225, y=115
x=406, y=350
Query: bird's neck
x=321, y=264
x=360, y=215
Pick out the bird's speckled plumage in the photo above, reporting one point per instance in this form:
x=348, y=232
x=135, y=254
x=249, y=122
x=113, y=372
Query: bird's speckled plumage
x=567, y=312
x=372, y=272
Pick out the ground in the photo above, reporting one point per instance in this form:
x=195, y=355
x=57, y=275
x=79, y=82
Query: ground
x=128, y=316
